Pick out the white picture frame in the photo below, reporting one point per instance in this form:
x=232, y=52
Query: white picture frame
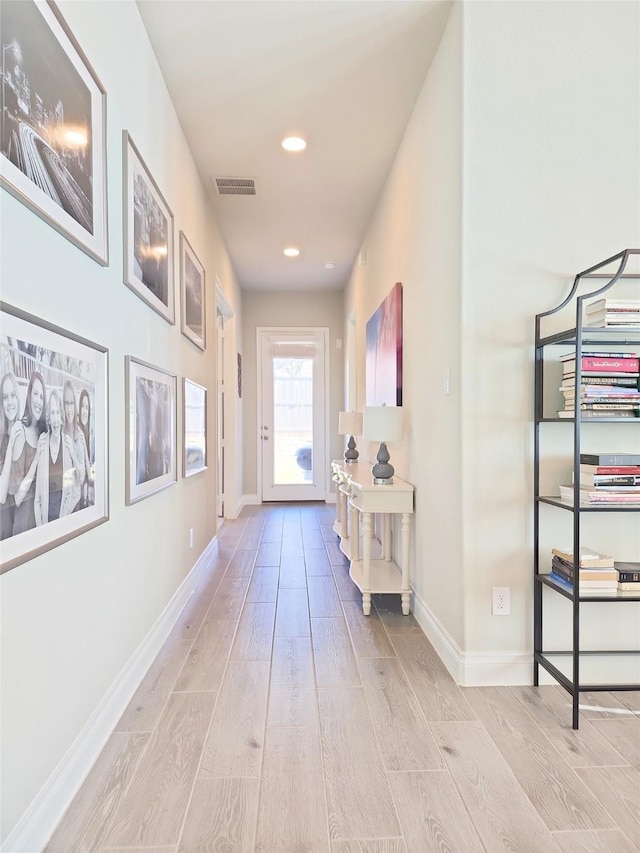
x=150, y=429
x=192, y=295
x=194, y=420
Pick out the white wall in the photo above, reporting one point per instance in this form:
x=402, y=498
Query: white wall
x=73, y=617
x=519, y=168
x=551, y=187
x=414, y=237
x=288, y=309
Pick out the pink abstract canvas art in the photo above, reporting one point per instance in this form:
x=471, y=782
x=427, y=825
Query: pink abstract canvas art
x=384, y=352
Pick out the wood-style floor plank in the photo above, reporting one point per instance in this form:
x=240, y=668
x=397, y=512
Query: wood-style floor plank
x=389, y=609
x=623, y=733
x=292, y=613
x=405, y=739
x=602, y=841
x=191, y=619
x=236, y=737
x=227, y=602
x=502, y=814
x=221, y=817
x=292, y=572
x=292, y=706
x=358, y=792
x=432, y=814
x=147, y=703
x=312, y=539
x=323, y=597
x=84, y=823
x=550, y=706
x=205, y=663
x=292, y=813
x=561, y=800
x=269, y=553
x=617, y=789
x=255, y=632
x=241, y=564
x=317, y=562
x=439, y=696
x=369, y=638
x=153, y=806
x=371, y=845
x=264, y=584
x=347, y=590
x=333, y=654
x=336, y=557
x=292, y=663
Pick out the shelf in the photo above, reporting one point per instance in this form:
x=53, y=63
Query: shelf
x=589, y=420
x=614, y=595
x=555, y=501
x=611, y=669
x=385, y=576
x=629, y=335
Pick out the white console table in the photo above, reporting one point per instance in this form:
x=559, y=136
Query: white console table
x=358, y=501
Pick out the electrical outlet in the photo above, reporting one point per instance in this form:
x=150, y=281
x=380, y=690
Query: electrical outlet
x=191, y=537
x=501, y=601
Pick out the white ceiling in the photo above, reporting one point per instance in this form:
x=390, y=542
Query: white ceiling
x=243, y=74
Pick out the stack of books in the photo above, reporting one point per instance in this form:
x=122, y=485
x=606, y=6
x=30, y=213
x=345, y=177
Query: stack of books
x=612, y=313
x=628, y=576
x=606, y=478
x=609, y=386
x=596, y=571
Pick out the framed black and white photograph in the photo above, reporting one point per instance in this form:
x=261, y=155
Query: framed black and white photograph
x=53, y=153
x=53, y=436
x=148, y=235
x=151, y=429
x=195, y=427
x=192, y=294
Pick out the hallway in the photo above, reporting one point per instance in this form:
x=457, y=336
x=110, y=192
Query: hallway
x=278, y=718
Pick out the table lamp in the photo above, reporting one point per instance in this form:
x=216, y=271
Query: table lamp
x=350, y=423
x=383, y=424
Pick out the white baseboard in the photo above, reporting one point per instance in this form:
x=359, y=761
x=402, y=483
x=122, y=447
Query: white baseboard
x=36, y=825
x=473, y=669
x=248, y=500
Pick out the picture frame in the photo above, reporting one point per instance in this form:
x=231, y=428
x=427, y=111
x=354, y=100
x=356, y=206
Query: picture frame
x=53, y=114
x=53, y=386
x=151, y=429
x=194, y=400
x=148, y=235
x=383, y=352
x=192, y=295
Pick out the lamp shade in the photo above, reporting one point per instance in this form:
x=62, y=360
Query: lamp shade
x=349, y=423
x=383, y=423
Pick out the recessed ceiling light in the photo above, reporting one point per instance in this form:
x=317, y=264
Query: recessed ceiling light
x=329, y=265
x=294, y=143
x=291, y=252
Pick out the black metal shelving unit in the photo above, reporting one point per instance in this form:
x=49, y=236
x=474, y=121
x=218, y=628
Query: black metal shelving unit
x=576, y=337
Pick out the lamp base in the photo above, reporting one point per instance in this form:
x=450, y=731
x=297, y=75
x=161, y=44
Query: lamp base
x=351, y=454
x=382, y=481
x=383, y=471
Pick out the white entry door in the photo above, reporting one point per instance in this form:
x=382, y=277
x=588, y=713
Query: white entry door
x=293, y=413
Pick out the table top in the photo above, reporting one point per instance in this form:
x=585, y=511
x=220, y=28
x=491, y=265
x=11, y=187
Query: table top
x=359, y=475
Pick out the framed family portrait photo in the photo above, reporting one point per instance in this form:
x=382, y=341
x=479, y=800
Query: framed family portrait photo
x=53, y=150
x=194, y=398
x=151, y=429
x=53, y=436
x=148, y=235
x=192, y=294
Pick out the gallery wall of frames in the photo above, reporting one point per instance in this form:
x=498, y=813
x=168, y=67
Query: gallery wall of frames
x=54, y=422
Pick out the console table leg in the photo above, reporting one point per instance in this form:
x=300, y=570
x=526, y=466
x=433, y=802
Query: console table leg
x=354, y=527
x=366, y=563
x=405, y=588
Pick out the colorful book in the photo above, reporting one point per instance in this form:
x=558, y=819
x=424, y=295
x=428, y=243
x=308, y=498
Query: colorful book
x=605, y=364
x=590, y=413
x=608, y=470
x=588, y=574
x=608, y=480
x=571, y=356
x=609, y=380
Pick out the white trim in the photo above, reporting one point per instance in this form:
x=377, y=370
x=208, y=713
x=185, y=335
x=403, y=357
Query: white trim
x=36, y=825
x=472, y=669
x=222, y=304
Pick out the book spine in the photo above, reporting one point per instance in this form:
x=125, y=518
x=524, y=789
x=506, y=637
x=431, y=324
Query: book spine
x=624, y=365
x=611, y=470
x=628, y=587
x=628, y=577
x=610, y=458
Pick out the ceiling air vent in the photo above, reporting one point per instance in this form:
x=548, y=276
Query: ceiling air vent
x=235, y=186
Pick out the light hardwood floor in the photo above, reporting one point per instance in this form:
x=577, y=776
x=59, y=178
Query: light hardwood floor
x=277, y=718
